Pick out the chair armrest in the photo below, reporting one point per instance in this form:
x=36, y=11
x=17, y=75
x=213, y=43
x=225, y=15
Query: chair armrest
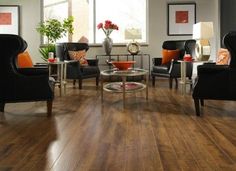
x=41, y=63
x=213, y=78
x=74, y=69
x=45, y=65
x=174, y=68
x=70, y=61
x=209, y=63
x=73, y=63
x=211, y=69
x=92, y=62
x=33, y=71
x=156, y=61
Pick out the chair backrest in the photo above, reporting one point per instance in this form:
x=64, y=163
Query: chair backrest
x=175, y=44
x=10, y=47
x=190, y=47
x=229, y=42
x=63, y=48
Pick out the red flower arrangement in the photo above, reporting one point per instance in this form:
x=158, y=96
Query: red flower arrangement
x=107, y=27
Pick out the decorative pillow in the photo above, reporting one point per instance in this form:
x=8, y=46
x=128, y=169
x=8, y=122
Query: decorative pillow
x=168, y=55
x=83, y=39
x=79, y=56
x=24, y=60
x=223, y=57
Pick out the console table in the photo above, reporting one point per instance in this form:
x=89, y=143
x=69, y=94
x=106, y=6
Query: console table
x=127, y=57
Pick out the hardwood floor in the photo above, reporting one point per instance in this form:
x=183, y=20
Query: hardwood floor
x=162, y=133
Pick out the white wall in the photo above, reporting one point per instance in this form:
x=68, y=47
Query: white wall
x=30, y=17
x=207, y=10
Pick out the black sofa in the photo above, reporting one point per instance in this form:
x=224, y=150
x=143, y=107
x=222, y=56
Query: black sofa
x=171, y=70
x=74, y=69
x=217, y=82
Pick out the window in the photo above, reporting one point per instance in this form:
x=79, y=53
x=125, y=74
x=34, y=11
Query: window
x=53, y=9
x=128, y=15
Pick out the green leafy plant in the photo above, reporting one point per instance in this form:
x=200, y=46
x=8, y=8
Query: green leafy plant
x=53, y=30
x=46, y=49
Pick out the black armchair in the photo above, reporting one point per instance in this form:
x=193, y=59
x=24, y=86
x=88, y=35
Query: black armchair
x=21, y=84
x=171, y=70
x=74, y=69
x=217, y=82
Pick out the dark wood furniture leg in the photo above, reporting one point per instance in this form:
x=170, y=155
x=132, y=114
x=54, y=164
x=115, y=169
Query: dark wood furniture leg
x=176, y=83
x=80, y=83
x=97, y=80
x=197, y=108
x=170, y=82
x=2, y=106
x=49, y=108
x=153, y=80
x=191, y=83
x=202, y=102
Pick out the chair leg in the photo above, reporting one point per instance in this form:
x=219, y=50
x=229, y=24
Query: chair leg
x=2, y=106
x=176, y=83
x=74, y=81
x=202, y=102
x=97, y=80
x=191, y=83
x=80, y=83
x=170, y=82
x=153, y=81
x=197, y=107
x=49, y=108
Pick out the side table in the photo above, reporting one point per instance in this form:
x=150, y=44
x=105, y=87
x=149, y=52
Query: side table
x=60, y=75
x=183, y=80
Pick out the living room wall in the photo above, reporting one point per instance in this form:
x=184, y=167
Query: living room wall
x=205, y=11
x=29, y=18
x=227, y=16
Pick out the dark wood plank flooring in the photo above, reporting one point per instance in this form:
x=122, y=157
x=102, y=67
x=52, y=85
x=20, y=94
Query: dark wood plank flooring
x=162, y=133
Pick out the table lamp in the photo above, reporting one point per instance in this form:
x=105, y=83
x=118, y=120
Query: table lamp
x=133, y=33
x=202, y=32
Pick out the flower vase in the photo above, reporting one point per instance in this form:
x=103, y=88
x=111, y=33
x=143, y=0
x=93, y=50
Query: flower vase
x=107, y=45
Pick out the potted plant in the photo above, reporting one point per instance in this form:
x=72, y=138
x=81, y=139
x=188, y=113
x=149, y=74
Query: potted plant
x=53, y=30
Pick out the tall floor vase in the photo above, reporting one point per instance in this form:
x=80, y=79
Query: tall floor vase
x=107, y=45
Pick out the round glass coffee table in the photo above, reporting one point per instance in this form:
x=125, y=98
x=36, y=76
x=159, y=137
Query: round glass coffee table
x=124, y=86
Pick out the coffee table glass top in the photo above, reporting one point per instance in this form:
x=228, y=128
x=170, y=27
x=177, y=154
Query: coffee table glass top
x=129, y=72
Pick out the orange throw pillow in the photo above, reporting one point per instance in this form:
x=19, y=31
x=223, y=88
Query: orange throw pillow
x=168, y=55
x=223, y=57
x=79, y=56
x=24, y=60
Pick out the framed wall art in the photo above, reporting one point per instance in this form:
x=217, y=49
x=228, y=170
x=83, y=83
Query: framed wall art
x=181, y=17
x=9, y=19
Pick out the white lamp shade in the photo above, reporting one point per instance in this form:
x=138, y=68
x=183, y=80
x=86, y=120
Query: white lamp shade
x=133, y=33
x=203, y=30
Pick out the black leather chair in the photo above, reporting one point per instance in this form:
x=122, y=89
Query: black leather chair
x=21, y=84
x=217, y=82
x=74, y=69
x=171, y=70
